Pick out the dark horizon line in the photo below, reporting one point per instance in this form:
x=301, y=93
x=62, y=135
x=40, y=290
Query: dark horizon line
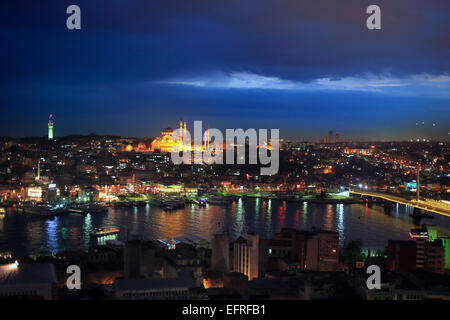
x=44, y=137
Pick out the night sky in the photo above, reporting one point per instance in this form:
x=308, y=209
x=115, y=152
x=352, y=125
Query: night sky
x=305, y=67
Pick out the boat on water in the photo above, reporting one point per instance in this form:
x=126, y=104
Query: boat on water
x=419, y=233
x=129, y=203
x=169, y=204
x=173, y=205
x=104, y=231
x=214, y=199
x=200, y=202
x=87, y=208
x=45, y=210
x=158, y=202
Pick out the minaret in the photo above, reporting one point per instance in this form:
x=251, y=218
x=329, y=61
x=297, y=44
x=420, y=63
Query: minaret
x=181, y=131
x=184, y=135
x=50, y=127
x=39, y=171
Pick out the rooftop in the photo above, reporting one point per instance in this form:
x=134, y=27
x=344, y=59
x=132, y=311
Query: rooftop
x=12, y=274
x=183, y=281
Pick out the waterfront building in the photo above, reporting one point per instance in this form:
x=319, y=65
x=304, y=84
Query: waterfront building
x=34, y=194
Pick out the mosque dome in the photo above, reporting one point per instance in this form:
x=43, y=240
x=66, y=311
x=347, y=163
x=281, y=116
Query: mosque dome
x=167, y=130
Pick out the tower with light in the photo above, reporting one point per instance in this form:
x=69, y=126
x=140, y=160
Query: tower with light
x=50, y=127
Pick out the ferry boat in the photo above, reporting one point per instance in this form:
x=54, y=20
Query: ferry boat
x=169, y=204
x=44, y=210
x=87, y=208
x=419, y=233
x=173, y=205
x=221, y=199
x=200, y=202
x=104, y=231
x=126, y=204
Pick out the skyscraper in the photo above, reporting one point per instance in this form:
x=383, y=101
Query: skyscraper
x=50, y=127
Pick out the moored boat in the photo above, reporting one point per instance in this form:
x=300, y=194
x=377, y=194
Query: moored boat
x=104, y=231
x=44, y=210
x=200, y=202
x=87, y=208
x=220, y=199
x=173, y=205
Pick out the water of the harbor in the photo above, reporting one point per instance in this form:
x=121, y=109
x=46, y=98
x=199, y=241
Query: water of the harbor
x=22, y=234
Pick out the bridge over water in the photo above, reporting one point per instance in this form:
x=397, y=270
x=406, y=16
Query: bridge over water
x=427, y=204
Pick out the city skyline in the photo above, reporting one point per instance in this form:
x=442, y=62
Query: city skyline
x=304, y=68
x=328, y=137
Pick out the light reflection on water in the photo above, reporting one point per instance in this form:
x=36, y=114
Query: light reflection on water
x=27, y=235
x=340, y=222
x=51, y=228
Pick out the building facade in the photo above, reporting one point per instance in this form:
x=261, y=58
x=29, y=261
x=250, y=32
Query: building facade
x=246, y=256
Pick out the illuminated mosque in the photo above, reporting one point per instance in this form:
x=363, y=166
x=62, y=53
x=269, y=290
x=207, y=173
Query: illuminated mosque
x=167, y=141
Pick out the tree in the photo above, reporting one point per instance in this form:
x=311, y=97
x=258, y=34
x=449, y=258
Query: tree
x=352, y=251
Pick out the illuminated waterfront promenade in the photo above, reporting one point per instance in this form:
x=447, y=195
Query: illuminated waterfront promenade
x=428, y=204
